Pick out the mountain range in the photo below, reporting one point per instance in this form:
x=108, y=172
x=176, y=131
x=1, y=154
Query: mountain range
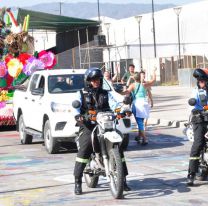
x=89, y=10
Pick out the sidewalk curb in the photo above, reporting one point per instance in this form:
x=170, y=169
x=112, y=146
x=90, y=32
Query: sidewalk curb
x=167, y=123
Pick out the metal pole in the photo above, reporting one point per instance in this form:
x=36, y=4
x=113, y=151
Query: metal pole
x=153, y=22
x=80, y=58
x=88, y=47
x=177, y=10
x=98, y=5
x=140, y=46
x=60, y=3
x=109, y=60
x=179, y=43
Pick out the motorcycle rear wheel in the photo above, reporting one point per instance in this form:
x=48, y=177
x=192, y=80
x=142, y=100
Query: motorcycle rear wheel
x=116, y=173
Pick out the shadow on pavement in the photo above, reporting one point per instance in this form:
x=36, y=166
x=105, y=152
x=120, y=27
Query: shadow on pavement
x=155, y=187
x=68, y=147
x=156, y=141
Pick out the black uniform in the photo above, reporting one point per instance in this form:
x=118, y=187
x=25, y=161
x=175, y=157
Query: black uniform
x=199, y=129
x=97, y=99
x=199, y=122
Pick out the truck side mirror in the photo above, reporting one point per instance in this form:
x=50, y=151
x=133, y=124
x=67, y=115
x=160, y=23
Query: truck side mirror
x=38, y=91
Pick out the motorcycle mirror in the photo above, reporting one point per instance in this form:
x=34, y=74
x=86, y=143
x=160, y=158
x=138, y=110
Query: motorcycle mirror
x=192, y=102
x=76, y=104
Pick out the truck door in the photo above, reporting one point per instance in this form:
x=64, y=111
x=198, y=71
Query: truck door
x=38, y=107
x=28, y=103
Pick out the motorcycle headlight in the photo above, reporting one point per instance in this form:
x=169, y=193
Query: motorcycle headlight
x=56, y=107
x=108, y=125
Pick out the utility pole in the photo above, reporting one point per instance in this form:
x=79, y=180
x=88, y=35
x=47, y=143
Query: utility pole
x=98, y=6
x=177, y=10
x=60, y=7
x=138, y=19
x=153, y=22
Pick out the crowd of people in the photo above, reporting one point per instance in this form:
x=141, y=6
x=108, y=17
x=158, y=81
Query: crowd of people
x=140, y=90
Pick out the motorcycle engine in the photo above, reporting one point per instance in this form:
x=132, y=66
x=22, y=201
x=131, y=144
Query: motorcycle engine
x=93, y=164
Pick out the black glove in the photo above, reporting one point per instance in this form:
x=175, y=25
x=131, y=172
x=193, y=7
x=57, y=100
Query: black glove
x=79, y=118
x=127, y=99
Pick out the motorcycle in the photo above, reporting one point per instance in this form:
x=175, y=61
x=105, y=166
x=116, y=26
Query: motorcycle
x=107, y=161
x=188, y=130
x=203, y=161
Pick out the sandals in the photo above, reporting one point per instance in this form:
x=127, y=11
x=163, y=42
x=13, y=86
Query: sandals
x=144, y=142
x=137, y=139
x=141, y=140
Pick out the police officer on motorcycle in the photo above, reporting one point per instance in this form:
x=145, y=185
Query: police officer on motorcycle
x=199, y=123
x=93, y=96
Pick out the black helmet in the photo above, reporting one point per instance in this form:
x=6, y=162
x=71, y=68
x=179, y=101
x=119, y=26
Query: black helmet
x=201, y=74
x=93, y=73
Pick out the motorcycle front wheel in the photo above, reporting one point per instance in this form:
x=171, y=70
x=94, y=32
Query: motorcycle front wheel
x=116, y=173
x=91, y=179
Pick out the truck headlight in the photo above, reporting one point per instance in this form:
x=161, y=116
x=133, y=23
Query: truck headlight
x=56, y=107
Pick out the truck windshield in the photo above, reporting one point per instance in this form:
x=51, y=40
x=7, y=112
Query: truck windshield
x=65, y=83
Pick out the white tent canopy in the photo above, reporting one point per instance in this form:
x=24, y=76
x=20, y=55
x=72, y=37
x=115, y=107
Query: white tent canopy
x=124, y=35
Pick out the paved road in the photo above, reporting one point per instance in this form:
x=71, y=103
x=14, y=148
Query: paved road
x=31, y=177
x=171, y=103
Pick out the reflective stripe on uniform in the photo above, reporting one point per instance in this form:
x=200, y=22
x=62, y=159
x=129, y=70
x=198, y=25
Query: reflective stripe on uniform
x=80, y=133
x=81, y=160
x=194, y=158
x=123, y=159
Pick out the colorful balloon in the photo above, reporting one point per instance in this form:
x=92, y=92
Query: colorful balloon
x=32, y=65
x=14, y=67
x=3, y=69
x=48, y=58
x=23, y=57
x=2, y=105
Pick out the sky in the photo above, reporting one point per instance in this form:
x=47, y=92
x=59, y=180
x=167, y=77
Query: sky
x=22, y=3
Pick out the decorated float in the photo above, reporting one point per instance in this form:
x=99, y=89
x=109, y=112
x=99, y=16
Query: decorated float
x=18, y=60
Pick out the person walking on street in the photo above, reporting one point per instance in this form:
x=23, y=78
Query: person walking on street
x=93, y=96
x=199, y=123
x=149, y=93
x=140, y=106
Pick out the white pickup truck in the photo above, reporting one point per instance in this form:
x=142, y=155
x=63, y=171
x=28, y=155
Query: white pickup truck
x=42, y=106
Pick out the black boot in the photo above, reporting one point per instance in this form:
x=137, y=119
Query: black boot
x=126, y=187
x=190, y=179
x=78, y=186
x=203, y=175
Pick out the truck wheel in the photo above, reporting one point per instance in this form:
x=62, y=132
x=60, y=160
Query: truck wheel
x=51, y=144
x=24, y=137
x=125, y=141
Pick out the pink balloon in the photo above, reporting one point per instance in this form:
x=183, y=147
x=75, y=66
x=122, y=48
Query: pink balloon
x=3, y=69
x=48, y=59
x=2, y=105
